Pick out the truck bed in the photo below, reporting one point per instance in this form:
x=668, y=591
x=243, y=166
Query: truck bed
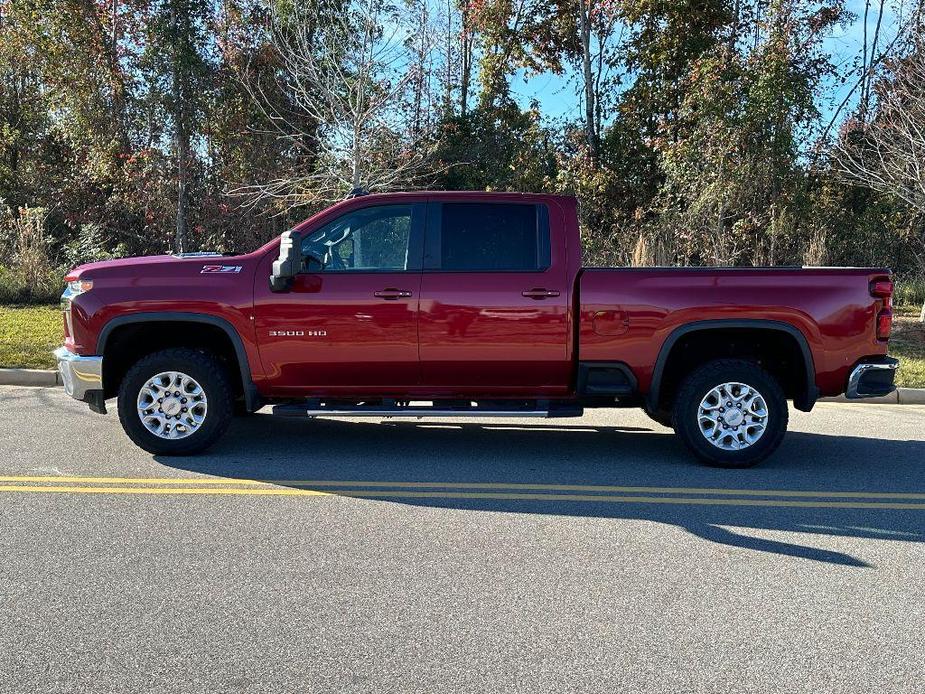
x=631, y=312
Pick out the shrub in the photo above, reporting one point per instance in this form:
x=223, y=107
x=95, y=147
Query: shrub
x=90, y=245
x=910, y=291
x=31, y=247
x=17, y=287
x=29, y=276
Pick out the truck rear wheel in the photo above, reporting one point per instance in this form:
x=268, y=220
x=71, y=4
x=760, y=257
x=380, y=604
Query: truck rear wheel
x=730, y=413
x=175, y=402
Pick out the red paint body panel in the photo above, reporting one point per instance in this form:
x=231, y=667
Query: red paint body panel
x=473, y=333
x=831, y=307
x=350, y=338
x=166, y=284
x=480, y=336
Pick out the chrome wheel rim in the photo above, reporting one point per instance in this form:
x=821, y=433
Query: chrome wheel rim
x=172, y=405
x=733, y=416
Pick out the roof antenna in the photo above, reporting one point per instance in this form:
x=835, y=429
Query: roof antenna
x=357, y=192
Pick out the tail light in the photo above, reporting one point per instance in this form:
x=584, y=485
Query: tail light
x=883, y=289
x=884, y=324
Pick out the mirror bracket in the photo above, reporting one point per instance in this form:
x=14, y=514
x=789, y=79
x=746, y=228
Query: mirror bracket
x=287, y=266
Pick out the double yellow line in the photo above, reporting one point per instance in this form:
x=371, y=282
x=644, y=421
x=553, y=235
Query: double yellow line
x=498, y=491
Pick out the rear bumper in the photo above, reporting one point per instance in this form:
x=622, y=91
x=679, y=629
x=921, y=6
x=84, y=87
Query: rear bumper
x=872, y=378
x=82, y=376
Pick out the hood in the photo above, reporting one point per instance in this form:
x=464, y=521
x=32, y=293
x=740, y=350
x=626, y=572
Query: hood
x=202, y=262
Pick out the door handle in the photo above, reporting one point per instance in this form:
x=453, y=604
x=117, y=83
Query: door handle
x=539, y=294
x=392, y=294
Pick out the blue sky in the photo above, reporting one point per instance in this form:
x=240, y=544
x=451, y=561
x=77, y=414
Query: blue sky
x=557, y=93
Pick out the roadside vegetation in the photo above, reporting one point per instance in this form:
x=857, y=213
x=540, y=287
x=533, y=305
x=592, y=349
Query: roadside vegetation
x=28, y=334
x=703, y=132
x=907, y=343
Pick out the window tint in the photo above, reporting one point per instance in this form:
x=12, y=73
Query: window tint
x=371, y=239
x=492, y=236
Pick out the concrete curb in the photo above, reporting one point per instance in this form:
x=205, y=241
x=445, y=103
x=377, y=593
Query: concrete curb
x=912, y=396
x=48, y=379
x=29, y=377
x=900, y=396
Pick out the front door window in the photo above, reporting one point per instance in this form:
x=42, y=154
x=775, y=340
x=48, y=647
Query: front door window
x=373, y=239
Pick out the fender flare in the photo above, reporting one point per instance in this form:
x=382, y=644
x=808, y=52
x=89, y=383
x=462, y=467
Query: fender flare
x=251, y=396
x=804, y=402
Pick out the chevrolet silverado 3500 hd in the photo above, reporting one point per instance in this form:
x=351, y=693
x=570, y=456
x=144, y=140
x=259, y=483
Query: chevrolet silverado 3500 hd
x=466, y=304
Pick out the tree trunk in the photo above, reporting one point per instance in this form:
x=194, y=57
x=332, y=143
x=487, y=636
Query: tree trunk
x=419, y=74
x=584, y=12
x=448, y=86
x=182, y=194
x=356, y=166
x=117, y=84
x=181, y=135
x=465, y=74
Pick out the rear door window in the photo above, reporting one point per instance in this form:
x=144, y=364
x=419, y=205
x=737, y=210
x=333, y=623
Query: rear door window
x=488, y=237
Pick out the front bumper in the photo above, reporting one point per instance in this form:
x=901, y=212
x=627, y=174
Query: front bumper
x=82, y=376
x=872, y=378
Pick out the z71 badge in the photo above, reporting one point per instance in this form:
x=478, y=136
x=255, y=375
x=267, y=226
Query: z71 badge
x=207, y=269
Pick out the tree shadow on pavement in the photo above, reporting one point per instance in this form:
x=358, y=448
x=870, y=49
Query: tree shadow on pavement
x=451, y=454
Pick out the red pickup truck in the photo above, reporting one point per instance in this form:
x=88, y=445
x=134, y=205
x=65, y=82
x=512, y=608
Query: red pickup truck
x=466, y=304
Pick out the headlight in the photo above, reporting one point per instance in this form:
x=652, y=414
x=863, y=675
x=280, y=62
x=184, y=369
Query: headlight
x=75, y=287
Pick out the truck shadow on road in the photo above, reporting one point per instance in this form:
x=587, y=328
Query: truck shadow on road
x=473, y=467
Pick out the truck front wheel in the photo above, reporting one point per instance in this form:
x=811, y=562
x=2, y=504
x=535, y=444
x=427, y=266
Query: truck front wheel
x=730, y=413
x=175, y=402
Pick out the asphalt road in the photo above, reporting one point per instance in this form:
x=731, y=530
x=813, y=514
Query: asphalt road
x=587, y=555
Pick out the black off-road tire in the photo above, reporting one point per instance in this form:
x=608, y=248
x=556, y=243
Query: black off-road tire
x=239, y=409
x=660, y=417
x=695, y=388
x=203, y=368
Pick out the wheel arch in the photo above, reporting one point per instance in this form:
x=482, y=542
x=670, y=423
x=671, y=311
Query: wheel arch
x=144, y=322
x=804, y=394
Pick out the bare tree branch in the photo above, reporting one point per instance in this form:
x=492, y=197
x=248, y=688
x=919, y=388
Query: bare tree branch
x=349, y=74
x=888, y=153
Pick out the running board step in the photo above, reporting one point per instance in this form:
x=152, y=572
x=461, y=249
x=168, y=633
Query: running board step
x=415, y=409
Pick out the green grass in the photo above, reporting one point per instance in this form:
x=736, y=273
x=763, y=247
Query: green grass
x=907, y=343
x=28, y=334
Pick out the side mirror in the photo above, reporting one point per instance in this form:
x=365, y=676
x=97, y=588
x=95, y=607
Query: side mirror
x=289, y=262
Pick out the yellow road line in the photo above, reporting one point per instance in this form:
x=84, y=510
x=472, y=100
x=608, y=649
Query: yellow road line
x=288, y=491
x=258, y=491
x=789, y=493
x=139, y=480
